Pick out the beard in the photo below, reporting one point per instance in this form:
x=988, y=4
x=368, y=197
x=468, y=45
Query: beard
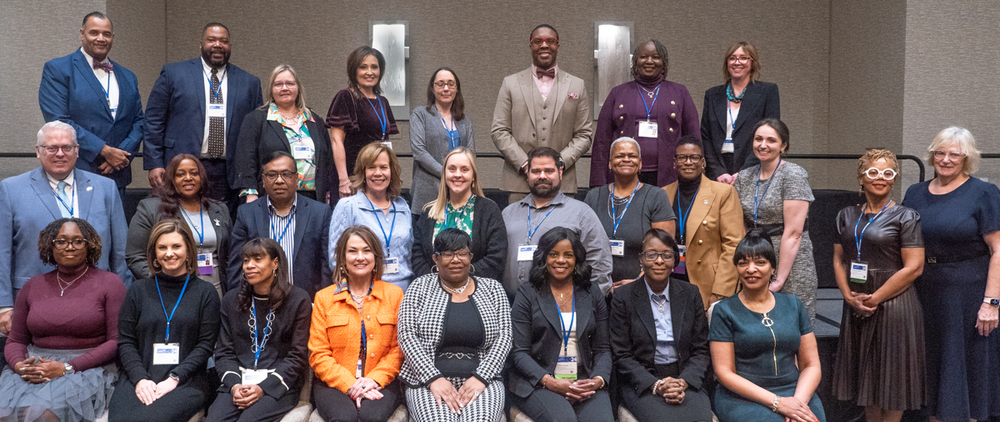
x=206, y=53
x=546, y=189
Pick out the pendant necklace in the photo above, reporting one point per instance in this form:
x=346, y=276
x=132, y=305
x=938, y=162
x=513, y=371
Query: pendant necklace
x=59, y=279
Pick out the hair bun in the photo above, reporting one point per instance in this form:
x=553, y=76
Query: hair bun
x=758, y=233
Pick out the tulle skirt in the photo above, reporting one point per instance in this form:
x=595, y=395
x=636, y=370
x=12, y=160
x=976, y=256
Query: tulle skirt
x=81, y=396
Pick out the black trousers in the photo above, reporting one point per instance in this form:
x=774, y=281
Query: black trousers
x=265, y=409
x=335, y=406
x=544, y=405
x=649, y=408
x=218, y=182
x=178, y=405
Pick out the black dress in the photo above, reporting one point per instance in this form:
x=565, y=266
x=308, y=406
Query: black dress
x=141, y=323
x=880, y=359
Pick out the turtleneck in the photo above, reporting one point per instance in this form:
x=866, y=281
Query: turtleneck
x=169, y=279
x=647, y=81
x=686, y=190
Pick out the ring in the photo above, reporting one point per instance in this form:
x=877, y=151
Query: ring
x=477, y=394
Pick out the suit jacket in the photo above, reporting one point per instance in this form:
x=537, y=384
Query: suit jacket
x=260, y=137
x=489, y=241
x=69, y=92
x=517, y=127
x=175, y=112
x=310, y=271
x=147, y=214
x=759, y=102
x=633, y=341
x=712, y=230
x=28, y=204
x=538, y=337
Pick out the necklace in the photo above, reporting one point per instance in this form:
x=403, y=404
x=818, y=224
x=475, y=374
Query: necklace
x=736, y=99
x=60, y=281
x=457, y=291
x=293, y=119
x=648, y=92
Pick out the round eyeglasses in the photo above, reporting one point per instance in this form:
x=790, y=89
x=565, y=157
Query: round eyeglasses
x=887, y=174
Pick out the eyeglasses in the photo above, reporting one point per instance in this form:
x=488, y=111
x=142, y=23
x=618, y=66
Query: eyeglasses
x=63, y=243
x=442, y=84
x=53, y=149
x=651, y=256
x=887, y=174
x=684, y=158
x=288, y=84
x=537, y=42
x=450, y=256
x=272, y=176
x=939, y=155
x=742, y=59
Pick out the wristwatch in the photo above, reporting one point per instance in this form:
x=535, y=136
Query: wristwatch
x=174, y=376
x=69, y=369
x=992, y=301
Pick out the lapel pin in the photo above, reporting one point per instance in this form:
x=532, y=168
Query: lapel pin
x=90, y=188
x=216, y=222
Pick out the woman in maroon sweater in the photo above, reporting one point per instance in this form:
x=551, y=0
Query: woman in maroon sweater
x=64, y=336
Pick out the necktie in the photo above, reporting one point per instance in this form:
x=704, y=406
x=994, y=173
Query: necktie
x=107, y=66
x=216, y=125
x=550, y=72
x=64, y=200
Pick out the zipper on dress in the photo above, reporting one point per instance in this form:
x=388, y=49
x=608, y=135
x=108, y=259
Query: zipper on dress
x=774, y=351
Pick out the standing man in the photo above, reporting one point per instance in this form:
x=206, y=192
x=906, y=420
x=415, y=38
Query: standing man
x=196, y=107
x=541, y=106
x=99, y=98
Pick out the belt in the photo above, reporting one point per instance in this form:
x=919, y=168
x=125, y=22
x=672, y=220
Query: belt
x=956, y=258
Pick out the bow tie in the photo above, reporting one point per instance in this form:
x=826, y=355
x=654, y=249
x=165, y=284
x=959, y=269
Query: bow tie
x=550, y=72
x=107, y=66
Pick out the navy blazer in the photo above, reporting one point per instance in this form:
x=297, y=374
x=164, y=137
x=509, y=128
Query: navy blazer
x=28, y=204
x=759, y=102
x=175, y=112
x=69, y=92
x=310, y=271
x=633, y=341
x=538, y=337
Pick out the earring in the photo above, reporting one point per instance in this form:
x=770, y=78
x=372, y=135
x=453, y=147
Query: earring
x=774, y=276
x=434, y=269
x=472, y=269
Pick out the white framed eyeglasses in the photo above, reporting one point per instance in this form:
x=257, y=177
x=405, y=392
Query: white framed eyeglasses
x=954, y=156
x=887, y=174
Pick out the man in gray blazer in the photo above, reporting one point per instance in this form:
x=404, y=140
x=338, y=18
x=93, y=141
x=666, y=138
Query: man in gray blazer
x=541, y=106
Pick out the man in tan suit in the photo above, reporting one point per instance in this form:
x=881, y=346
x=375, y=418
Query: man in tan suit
x=541, y=106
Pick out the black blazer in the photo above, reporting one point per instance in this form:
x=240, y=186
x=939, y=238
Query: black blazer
x=538, y=339
x=260, y=137
x=147, y=214
x=759, y=102
x=310, y=271
x=633, y=341
x=489, y=241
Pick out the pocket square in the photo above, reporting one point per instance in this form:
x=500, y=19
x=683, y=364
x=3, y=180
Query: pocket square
x=572, y=95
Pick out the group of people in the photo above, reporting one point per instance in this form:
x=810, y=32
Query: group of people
x=449, y=304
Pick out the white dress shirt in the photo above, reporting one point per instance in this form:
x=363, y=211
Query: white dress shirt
x=109, y=83
x=206, y=76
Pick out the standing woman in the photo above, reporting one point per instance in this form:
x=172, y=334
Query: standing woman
x=284, y=123
x=560, y=368
x=261, y=370
x=876, y=257
x=430, y=141
x=652, y=110
x=960, y=286
x=461, y=203
x=775, y=197
x=167, y=329
x=730, y=110
x=649, y=206
x=359, y=114
x=184, y=196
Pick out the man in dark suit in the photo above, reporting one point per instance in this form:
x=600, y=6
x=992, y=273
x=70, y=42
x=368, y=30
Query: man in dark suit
x=197, y=107
x=297, y=223
x=99, y=98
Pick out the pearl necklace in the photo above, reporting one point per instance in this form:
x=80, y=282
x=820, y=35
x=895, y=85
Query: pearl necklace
x=59, y=279
x=457, y=291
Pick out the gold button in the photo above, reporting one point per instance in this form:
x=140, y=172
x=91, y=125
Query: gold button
x=621, y=117
x=673, y=114
x=704, y=222
x=672, y=103
x=699, y=261
x=700, y=241
x=671, y=129
x=621, y=105
x=622, y=132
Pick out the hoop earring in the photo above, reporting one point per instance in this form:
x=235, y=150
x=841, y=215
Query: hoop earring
x=434, y=269
x=472, y=269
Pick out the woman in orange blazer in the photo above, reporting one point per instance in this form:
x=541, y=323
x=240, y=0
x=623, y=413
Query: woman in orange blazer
x=709, y=224
x=356, y=359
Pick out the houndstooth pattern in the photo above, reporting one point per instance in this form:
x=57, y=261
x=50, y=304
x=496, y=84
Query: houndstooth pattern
x=485, y=408
x=421, y=322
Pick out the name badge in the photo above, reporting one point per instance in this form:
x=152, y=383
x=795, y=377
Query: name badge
x=302, y=152
x=526, y=252
x=387, y=144
x=166, y=353
x=647, y=129
x=254, y=376
x=618, y=247
x=681, y=265
x=113, y=110
x=859, y=272
x=728, y=147
x=392, y=265
x=566, y=368
x=216, y=110
x=205, y=264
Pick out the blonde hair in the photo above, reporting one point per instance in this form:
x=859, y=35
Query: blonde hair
x=754, y=61
x=367, y=157
x=300, y=98
x=435, y=209
x=966, y=144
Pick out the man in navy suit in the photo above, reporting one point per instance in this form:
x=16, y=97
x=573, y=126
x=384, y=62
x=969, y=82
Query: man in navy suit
x=196, y=107
x=32, y=200
x=99, y=98
x=297, y=223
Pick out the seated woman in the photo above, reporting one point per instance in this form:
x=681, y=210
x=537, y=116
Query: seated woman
x=660, y=339
x=461, y=203
x=353, y=335
x=455, y=332
x=64, y=337
x=167, y=329
x=748, y=332
x=560, y=370
x=262, y=373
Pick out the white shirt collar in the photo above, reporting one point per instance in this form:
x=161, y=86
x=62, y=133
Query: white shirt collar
x=55, y=182
x=208, y=68
x=90, y=60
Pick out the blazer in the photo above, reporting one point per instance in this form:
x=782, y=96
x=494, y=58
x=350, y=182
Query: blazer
x=335, y=335
x=310, y=271
x=421, y=323
x=429, y=143
x=28, y=204
x=69, y=92
x=517, y=129
x=759, y=102
x=147, y=214
x=175, y=113
x=633, y=341
x=538, y=337
x=712, y=230
x=260, y=137
x=488, y=247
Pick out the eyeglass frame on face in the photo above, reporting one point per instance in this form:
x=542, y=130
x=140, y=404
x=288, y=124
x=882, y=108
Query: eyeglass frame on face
x=882, y=173
x=442, y=84
x=538, y=41
x=287, y=175
x=955, y=156
x=666, y=256
x=685, y=158
x=744, y=59
x=66, y=149
x=449, y=256
x=77, y=243
x=290, y=84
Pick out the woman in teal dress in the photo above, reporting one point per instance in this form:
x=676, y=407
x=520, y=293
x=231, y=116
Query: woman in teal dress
x=755, y=338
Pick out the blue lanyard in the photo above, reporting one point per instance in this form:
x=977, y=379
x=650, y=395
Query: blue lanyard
x=285, y=230
x=72, y=200
x=649, y=108
x=107, y=92
x=615, y=219
x=684, y=215
x=258, y=343
x=757, y=200
x=566, y=330
x=732, y=121
x=217, y=91
x=378, y=218
x=201, y=234
x=859, y=237
x=171, y=316
x=381, y=121
x=532, y=232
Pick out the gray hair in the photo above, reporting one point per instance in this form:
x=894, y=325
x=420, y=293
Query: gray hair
x=966, y=144
x=625, y=139
x=54, y=126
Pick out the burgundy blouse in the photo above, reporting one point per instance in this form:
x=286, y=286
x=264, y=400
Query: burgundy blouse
x=359, y=117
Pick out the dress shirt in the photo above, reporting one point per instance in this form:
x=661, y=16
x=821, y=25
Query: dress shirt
x=358, y=210
x=71, y=193
x=544, y=84
x=206, y=75
x=277, y=223
x=108, y=82
x=665, y=352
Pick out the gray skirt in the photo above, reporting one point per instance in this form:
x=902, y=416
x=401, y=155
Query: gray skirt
x=81, y=396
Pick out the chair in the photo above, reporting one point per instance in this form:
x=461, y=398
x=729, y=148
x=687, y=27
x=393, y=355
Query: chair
x=400, y=415
x=303, y=410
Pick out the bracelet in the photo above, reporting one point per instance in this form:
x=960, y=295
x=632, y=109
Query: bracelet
x=774, y=404
x=656, y=386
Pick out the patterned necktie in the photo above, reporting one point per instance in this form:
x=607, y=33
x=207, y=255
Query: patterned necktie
x=107, y=66
x=216, y=125
x=64, y=200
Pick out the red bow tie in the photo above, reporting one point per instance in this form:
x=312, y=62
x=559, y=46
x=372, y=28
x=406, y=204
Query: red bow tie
x=107, y=66
x=550, y=72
